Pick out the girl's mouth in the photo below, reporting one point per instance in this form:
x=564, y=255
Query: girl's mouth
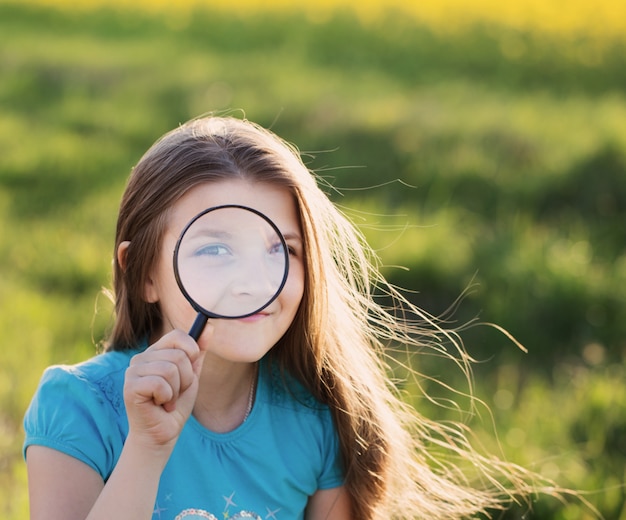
x=254, y=318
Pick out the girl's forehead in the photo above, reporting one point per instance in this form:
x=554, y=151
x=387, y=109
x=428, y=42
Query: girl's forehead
x=276, y=202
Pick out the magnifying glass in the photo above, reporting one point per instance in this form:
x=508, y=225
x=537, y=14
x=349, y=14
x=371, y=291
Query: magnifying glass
x=230, y=262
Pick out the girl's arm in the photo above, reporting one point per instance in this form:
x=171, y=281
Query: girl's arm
x=64, y=488
x=329, y=504
x=60, y=486
x=160, y=388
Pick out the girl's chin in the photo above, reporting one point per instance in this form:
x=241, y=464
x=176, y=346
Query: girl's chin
x=237, y=353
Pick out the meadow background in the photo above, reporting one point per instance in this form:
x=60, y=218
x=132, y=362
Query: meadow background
x=481, y=147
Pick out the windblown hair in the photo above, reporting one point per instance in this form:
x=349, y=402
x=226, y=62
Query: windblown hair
x=398, y=464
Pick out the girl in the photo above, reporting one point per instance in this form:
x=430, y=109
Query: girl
x=288, y=414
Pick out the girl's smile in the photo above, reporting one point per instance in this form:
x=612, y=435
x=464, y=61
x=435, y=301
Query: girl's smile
x=254, y=318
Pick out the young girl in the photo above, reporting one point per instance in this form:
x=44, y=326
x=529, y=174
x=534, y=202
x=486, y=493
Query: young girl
x=287, y=414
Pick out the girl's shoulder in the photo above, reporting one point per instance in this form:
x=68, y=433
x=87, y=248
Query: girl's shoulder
x=102, y=365
x=100, y=377
x=79, y=410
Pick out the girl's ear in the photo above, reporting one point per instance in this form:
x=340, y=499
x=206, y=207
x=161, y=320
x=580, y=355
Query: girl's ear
x=150, y=294
x=122, y=250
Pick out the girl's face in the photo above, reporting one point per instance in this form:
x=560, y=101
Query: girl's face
x=238, y=340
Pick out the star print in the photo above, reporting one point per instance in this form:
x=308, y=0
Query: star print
x=229, y=501
x=158, y=510
x=272, y=514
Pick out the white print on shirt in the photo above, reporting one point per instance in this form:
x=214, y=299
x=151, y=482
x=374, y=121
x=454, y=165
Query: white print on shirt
x=195, y=514
x=201, y=513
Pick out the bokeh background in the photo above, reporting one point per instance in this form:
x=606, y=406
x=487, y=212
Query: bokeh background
x=480, y=145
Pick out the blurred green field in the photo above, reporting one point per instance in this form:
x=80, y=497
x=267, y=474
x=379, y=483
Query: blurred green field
x=492, y=157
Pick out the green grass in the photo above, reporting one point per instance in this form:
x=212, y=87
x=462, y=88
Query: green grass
x=461, y=162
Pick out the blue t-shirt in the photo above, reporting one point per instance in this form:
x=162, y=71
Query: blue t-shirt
x=267, y=468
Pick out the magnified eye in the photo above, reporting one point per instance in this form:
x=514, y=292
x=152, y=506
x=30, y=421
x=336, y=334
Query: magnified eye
x=212, y=250
x=277, y=249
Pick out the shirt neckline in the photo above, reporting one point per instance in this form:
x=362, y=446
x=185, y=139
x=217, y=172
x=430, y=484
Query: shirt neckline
x=245, y=426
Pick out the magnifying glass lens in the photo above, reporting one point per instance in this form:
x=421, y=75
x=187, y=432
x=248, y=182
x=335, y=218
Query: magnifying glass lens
x=231, y=262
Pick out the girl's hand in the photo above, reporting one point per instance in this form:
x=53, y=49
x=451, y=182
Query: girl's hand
x=160, y=389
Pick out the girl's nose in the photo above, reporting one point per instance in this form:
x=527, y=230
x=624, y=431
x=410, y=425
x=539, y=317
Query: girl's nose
x=258, y=280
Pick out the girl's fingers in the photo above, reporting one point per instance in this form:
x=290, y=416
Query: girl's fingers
x=178, y=340
x=164, y=370
x=151, y=388
x=171, y=364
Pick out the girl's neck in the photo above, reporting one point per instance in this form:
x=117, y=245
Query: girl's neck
x=226, y=395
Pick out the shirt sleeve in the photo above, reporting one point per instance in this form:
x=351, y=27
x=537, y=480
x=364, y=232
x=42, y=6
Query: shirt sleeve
x=71, y=415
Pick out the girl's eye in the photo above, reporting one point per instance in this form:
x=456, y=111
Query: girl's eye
x=212, y=250
x=279, y=249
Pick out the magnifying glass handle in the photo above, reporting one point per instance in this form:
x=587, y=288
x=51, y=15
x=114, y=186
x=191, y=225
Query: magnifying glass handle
x=198, y=326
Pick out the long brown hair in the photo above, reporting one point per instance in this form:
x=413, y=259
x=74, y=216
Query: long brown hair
x=337, y=343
